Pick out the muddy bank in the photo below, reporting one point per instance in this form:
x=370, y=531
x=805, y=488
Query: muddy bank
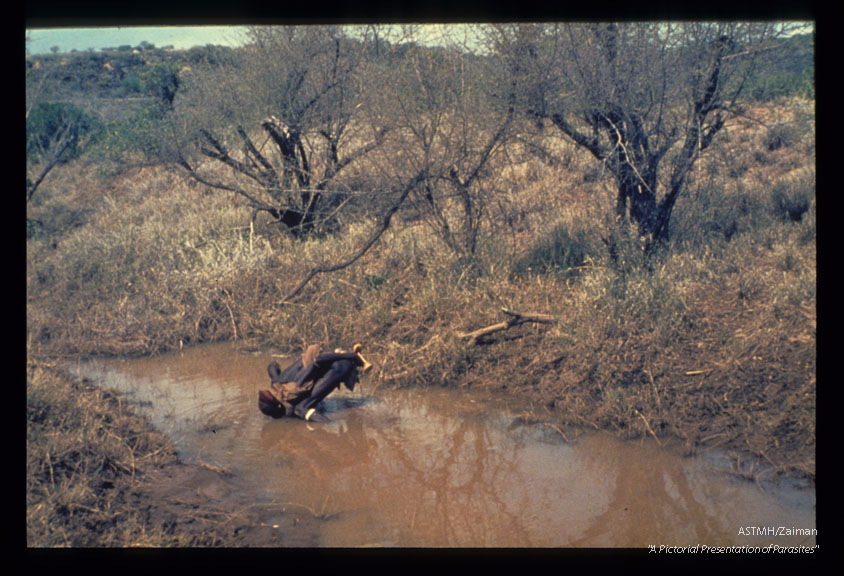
x=193, y=503
x=420, y=467
x=137, y=492
x=100, y=475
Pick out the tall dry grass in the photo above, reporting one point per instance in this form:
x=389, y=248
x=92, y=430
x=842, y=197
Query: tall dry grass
x=711, y=341
x=84, y=455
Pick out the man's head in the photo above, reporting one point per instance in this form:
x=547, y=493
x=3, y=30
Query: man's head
x=269, y=404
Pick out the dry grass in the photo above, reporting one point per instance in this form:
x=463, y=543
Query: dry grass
x=85, y=454
x=712, y=343
x=98, y=475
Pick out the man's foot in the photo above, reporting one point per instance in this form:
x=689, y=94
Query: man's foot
x=310, y=415
x=314, y=416
x=367, y=366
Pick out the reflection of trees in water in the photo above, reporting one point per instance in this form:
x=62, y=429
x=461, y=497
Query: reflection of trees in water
x=445, y=483
x=450, y=480
x=456, y=481
x=455, y=496
x=653, y=502
x=434, y=476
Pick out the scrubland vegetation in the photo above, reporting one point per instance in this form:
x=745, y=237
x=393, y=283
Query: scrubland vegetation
x=463, y=203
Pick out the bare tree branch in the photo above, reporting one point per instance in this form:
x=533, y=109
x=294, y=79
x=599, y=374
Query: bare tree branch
x=254, y=202
x=376, y=234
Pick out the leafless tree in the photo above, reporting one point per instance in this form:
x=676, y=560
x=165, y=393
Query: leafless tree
x=275, y=123
x=448, y=129
x=645, y=99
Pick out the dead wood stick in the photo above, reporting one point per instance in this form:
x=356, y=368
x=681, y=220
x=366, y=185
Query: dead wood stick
x=557, y=428
x=696, y=372
x=648, y=426
x=515, y=319
x=541, y=318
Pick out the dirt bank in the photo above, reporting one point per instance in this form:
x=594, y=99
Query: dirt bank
x=99, y=475
x=192, y=503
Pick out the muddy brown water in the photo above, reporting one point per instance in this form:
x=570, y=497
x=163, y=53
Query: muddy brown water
x=446, y=468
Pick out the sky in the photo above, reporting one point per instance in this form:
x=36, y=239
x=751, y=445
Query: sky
x=81, y=39
x=41, y=41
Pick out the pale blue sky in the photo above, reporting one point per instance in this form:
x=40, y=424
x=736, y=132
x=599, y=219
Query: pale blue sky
x=81, y=39
x=181, y=37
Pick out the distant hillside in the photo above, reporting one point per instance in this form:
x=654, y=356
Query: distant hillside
x=106, y=81
x=41, y=41
x=787, y=70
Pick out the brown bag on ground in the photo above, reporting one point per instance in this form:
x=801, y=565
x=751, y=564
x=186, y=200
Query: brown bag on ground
x=291, y=393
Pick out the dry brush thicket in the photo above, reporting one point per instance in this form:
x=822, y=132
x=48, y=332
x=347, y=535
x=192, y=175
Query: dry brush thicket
x=712, y=342
x=444, y=206
x=448, y=207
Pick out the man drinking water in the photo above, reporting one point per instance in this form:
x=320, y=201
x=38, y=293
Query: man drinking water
x=298, y=389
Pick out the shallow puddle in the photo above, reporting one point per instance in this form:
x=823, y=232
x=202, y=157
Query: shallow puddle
x=443, y=468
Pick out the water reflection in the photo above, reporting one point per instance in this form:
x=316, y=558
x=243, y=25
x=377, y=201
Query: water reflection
x=443, y=467
x=648, y=494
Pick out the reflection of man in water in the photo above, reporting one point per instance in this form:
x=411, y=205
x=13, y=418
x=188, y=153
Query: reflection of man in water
x=299, y=388
x=324, y=454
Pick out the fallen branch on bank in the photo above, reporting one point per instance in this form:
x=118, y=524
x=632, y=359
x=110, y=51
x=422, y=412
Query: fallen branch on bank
x=515, y=319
